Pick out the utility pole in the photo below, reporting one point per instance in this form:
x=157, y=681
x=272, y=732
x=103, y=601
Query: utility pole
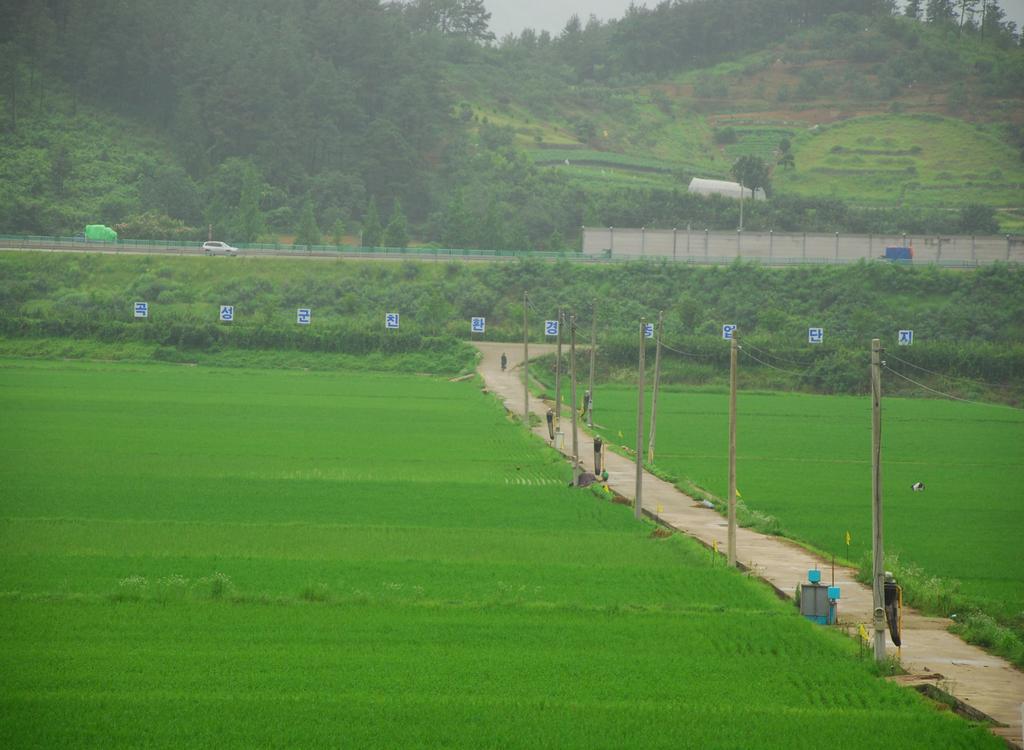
x=572, y=394
x=732, y=448
x=526, y=364
x=878, y=556
x=558, y=377
x=654, y=394
x=638, y=507
x=593, y=354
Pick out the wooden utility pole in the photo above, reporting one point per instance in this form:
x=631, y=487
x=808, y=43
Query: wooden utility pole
x=638, y=506
x=572, y=395
x=558, y=376
x=878, y=552
x=526, y=363
x=654, y=394
x=732, y=448
x=593, y=355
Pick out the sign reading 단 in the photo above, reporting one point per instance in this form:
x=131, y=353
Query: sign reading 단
x=815, y=335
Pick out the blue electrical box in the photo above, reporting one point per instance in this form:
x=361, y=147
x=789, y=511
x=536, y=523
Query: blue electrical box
x=818, y=602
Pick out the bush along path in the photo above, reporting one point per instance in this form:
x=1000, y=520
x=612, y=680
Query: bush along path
x=930, y=654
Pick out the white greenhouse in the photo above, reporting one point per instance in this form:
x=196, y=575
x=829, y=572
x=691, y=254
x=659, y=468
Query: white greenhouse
x=724, y=188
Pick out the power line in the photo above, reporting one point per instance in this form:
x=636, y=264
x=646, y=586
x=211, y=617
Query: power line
x=776, y=356
x=769, y=364
x=949, y=377
x=685, y=354
x=942, y=393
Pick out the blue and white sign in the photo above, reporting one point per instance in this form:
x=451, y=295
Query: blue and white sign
x=141, y=309
x=550, y=327
x=227, y=313
x=906, y=338
x=477, y=325
x=391, y=321
x=815, y=335
x=649, y=330
x=303, y=316
x=728, y=330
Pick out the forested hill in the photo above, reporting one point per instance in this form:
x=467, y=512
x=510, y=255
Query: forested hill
x=327, y=118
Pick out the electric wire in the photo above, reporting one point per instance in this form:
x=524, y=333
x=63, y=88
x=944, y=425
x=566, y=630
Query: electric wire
x=766, y=353
x=948, y=377
x=769, y=364
x=942, y=393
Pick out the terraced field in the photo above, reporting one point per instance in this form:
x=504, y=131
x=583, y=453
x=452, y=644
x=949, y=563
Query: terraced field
x=193, y=556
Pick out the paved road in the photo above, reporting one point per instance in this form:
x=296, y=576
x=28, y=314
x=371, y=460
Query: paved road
x=984, y=682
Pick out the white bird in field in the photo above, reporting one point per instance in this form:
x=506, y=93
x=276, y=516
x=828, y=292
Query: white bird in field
x=917, y=486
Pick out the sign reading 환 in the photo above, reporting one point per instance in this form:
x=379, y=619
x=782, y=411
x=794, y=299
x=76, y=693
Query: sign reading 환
x=141, y=309
x=550, y=327
x=227, y=313
x=815, y=335
x=906, y=338
x=727, y=331
x=477, y=325
x=391, y=320
x=303, y=316
x=649, y=330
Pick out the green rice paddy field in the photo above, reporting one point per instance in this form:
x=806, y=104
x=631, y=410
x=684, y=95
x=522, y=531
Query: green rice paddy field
x=806, y=460
x=196, y=556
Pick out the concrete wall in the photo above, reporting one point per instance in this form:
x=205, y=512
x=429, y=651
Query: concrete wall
x=784, y=248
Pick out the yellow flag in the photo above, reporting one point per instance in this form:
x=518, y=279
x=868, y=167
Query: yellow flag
x=620, y=434
x=847, y=538
x=738, y=492
x=862, y=631
x=661, y=509
x=714, y=544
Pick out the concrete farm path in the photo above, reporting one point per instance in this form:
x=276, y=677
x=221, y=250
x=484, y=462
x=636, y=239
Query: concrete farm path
x=930, y=654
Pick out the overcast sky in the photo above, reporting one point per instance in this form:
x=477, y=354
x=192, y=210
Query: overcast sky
x=515, y=15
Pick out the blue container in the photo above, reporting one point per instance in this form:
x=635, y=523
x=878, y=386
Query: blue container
x=833, y=593
x=814, y=576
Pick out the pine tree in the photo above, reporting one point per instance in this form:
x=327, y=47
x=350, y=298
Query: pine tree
x=338, y=231
x=248, y=222
x=372, y=230
x=397, y=232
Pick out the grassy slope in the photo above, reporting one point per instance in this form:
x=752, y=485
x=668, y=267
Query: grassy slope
x=400, y=566
x=804, y=459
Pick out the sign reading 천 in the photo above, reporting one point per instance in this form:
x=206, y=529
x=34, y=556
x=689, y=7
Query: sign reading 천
x=906, y=338
x=550, y=327
x=477, y=325
x=815, y=335
x=303, y=316
x=649, y=330
x=727, y=331
x=227, y=313
x=141, y=309
x=391, y=321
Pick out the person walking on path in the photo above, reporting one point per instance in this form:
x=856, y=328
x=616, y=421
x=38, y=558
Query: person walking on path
x=504, y=361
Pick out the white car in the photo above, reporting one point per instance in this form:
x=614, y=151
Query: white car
x=214, y=248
